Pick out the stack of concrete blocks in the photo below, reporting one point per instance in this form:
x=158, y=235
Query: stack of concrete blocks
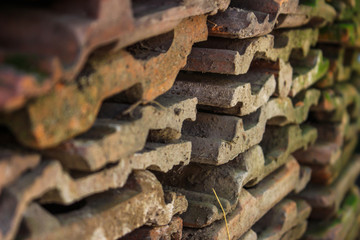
x=136, y=119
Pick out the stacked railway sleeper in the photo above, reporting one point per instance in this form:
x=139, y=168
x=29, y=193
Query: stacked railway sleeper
x=206, y=119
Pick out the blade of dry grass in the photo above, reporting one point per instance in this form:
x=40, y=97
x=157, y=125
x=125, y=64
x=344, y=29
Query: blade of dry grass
x=226, y=224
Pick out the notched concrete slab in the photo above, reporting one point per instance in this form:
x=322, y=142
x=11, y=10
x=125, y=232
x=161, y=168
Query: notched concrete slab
x=159, y=157
x=308, y=70
x=172, y=231
x=248, y=92
x=253, y=204
x=196, y=181
x=217, y=139
x=281, y=219
x=246, y=20
x=13, y=163
x=341, y=226
x=95, y=218
x=327, y=159
x=341, y=62
x=32, y=65
x=325, y=201
x=240, y=23
x=317, y=14
x=335, y=102
x=234, y=57
x=142, y=80
x=115, y=136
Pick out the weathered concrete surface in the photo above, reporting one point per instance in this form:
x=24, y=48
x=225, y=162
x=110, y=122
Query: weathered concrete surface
x=336, y=133
x=32, y=64
x=282, y=71
x=64, y=188
x=278, y=143
x=281, y=219
x=251, y=90
x=341, y=64
x=245, y=20
x=97, y=218
x=248, y=92
x=160, y=157
x=328, y=160
x=286, y=221
x=217, y=139
x=249, y=235
x=316, y=14
x=296, y=232
x=268, y=6
x=172, y=231
x=241, y=23
x=308, y=70
x=247, y=169
x=14, y=162
x=115, y=136
x=277, y=111
x=253, y=204
x=339, y=227
x=336, y=101
x=327, y=156
x=146, y=78
x=230, y=56
x=325, y=200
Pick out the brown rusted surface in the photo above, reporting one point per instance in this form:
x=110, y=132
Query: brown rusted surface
x=231, y=56
x=71, y=109
x=339, y=227
x=33, y=63
x=281, y=219
x=247, y=170
x=14, y=162
x=325, y=200
x=217, y=139
x=115, y=136
x=172, y=231
x=253, y=204
x=141, y=200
